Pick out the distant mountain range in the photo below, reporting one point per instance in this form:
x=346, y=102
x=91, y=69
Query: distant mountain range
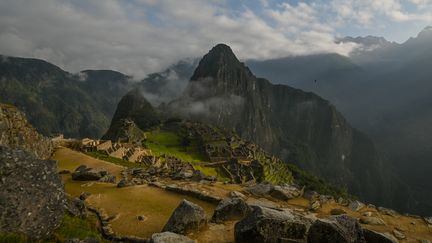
x=384, y=91
x=78, y=105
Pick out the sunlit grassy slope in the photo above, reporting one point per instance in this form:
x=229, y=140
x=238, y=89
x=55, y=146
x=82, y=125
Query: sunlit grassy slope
x=172, y=144
x=125, y=204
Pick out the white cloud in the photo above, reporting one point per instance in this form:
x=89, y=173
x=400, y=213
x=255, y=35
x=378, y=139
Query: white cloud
x=142, y=36
x=366, y=11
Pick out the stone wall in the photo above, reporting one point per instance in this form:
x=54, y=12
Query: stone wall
x=16, y=132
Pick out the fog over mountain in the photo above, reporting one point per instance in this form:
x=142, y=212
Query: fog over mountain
x=385, y=91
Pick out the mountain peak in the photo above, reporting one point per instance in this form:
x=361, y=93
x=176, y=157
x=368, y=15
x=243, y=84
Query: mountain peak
x=135, y=108
x=218, y=61
x=427, y=31
x=222, y=49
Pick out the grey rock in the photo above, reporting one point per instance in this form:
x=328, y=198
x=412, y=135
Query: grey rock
x=80, y=205
x=123, y=183
x=169, y=237
x=341, y=228
x=372, y=221
x=32, y=198
x=371, y=206
x=376, y=237
x=261, y=189
x=186, y=218
x=108, y=178
x=229, y=209
x=285, y=193
x=262, y=202
x=399, y=234
x=314, y=205
x=326, y=199
x=237, y=194
x=83, y=173
x=141, y=217
x=71, y=208
x=311, y=195
x=210, y=178
x=356, y=205
x=270, y=225
x=198, y=175
x=387, y=211
x=428, y=220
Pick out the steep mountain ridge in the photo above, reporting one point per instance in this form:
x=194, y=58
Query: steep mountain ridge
x=299, y=127
x=388, y=100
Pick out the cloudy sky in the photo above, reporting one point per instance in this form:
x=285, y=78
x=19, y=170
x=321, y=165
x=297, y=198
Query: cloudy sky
x=142, y=36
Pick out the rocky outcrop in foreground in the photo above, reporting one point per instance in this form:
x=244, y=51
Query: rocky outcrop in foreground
x=264, y=224
x=31, y=195
x=186, y=217
x=271, y=225
x=16, y=132
x=84, y=173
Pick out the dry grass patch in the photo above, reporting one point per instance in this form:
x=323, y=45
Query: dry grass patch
x=69, y=159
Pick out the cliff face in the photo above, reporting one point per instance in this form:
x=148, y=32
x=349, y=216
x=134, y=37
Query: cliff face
x=299, y=127
x=32, y=194
x=16, y=132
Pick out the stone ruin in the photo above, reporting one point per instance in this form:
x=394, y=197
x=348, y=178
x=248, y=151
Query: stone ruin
x=126, y=151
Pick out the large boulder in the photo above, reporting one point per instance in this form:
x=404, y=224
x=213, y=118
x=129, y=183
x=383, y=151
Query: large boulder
x=341, y=228
x=260, y=189
x=270, y=225
x=186, y=218
x=285, y=192
x=229, y=209
x=356, y=205
x=169, y=237
x=84, y=173
x=31, y=195
x=198, y=175
x=376, y=237
x=372, y=220
x=386, y=211
x=108, y=178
